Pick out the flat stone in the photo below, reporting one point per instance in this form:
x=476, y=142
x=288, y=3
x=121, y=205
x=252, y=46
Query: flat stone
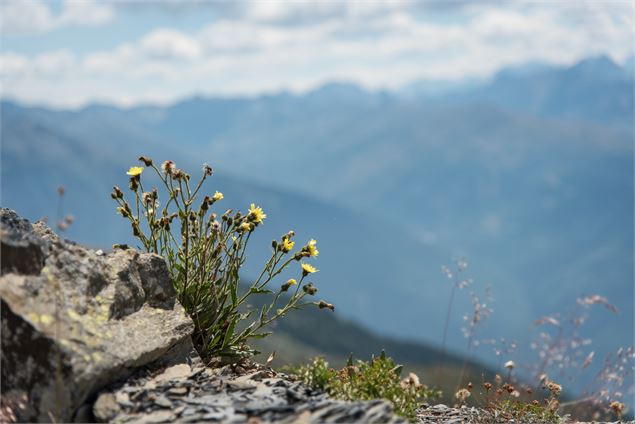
x=175, y=372
x=178, y=391
x=156, y=417
x=163, y=401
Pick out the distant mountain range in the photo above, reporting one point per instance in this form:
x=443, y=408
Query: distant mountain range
x=529, y=175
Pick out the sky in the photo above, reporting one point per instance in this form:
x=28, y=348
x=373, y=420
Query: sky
x=74, y=52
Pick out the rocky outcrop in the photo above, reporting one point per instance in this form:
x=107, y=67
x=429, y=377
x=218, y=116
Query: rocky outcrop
x=74, y=320
x=88, y=336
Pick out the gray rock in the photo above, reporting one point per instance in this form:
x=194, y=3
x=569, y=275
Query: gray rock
x=106, y=407
x=74, y=321
x=21, y=251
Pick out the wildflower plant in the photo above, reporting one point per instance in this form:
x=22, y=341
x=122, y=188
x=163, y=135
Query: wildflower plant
x=205, y=252
x=503, y=402
x=365, y=380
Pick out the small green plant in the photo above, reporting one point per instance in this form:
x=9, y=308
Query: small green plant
x=365, y=380
x=204, y=256
x=503, y=402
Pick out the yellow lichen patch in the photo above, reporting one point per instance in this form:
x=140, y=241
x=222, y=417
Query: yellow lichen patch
x=46, y=319
x=96, y=356
x=40, y=318
x=74, y=315
x=102, y=314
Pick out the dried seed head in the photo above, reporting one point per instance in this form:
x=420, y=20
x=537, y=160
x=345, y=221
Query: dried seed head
x=168, y=168
x=207, y=170
x=554, y=388
x=178, y=174
x=462, y=395
x=618, y=408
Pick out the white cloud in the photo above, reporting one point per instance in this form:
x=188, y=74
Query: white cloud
x=86, y=12
x=377, y=44
x=35, y=16
x=13, y=64
x=170, y=44
x=25, y=16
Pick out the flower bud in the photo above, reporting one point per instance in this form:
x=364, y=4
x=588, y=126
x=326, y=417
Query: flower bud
x=134, y=183
x=289, y=283
x=146, y=161
x=322, y=304
x=205, y=204
x=117, y=193
x=310, y=289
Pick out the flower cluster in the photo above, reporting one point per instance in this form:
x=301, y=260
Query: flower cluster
x=204, y=253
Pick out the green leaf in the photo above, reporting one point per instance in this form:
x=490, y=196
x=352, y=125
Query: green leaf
x=256, y=290
x=260, y=335
x=397, y=370
x=228, y=334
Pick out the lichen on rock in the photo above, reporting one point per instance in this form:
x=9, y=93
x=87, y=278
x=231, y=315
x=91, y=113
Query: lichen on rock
x=74, y=320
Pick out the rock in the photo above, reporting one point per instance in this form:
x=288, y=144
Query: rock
x=21, y=251
x=106, y=407
x=74, y=321
x=174, y=372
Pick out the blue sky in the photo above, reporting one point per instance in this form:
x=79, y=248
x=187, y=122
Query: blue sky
x=73, y=52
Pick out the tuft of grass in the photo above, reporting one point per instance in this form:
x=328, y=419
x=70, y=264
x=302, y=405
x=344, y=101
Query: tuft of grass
x=379, y=378
x=205, y=252
x=524, y=412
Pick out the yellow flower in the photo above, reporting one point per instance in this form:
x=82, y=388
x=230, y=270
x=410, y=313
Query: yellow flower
x=245, y=226
x=308, y=269
x=135, y=171
x=291, y=282
x=311, y=248
x=218, y=196
x=256, y=213
x=287, y=245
